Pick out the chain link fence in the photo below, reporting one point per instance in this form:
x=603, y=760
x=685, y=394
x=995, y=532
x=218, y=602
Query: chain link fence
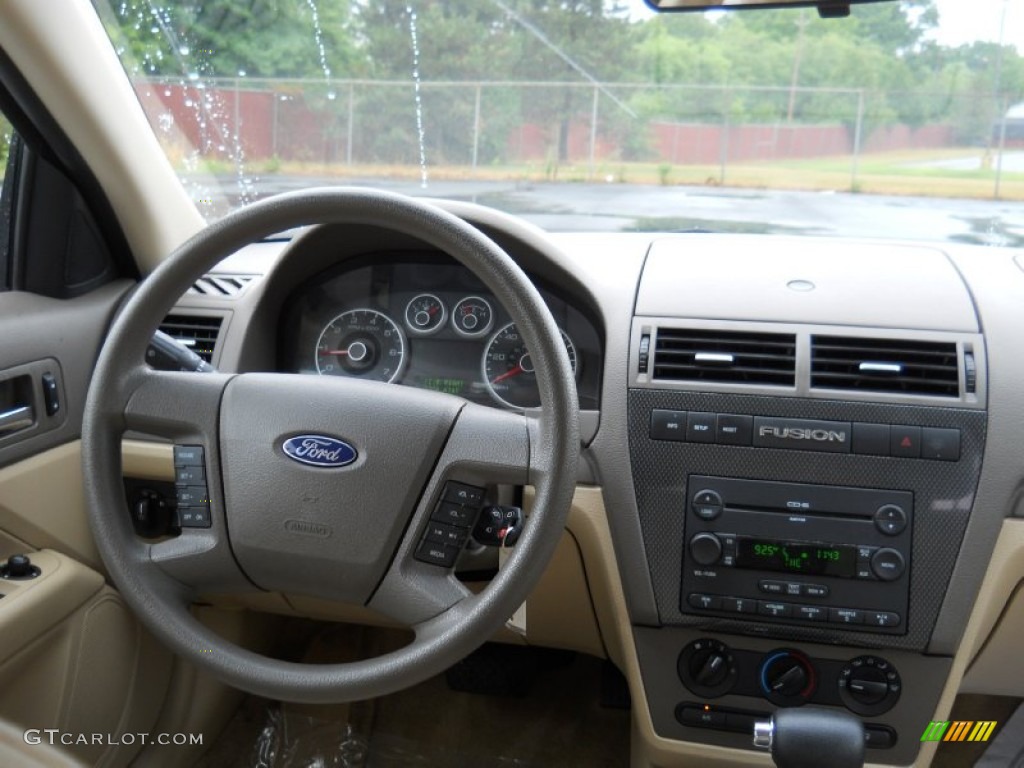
x=570, y=130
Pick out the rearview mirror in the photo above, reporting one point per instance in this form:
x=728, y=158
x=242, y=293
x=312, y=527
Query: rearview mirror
x=827, y=8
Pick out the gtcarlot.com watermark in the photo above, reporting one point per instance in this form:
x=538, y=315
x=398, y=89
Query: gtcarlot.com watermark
x=56, y=737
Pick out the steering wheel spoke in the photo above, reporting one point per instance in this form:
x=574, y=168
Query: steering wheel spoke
x=177, y=405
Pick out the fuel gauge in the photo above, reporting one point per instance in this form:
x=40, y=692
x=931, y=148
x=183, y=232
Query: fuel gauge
x=425, y=315
x=472, y=317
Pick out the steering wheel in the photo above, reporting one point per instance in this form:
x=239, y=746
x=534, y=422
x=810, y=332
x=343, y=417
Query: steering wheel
x=345, y=533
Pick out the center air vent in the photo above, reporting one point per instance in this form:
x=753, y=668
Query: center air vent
x=885, y=365
x=682, y=354
x=198, y=333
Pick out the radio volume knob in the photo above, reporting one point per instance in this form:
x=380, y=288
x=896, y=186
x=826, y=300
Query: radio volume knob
x=705, y=548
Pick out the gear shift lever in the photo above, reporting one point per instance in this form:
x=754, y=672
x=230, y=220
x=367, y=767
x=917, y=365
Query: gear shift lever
x=811, y=737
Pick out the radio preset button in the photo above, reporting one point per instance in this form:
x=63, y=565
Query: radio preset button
x=887, y=564
x=739, y=605
x=705, y=548
x=845, y=616
x=705, y=602
x=882, y=619
x=891, y=520
x=707, y=505
x=811, y=613
x=776, y=610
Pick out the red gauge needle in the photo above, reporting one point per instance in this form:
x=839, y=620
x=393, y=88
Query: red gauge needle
x=432, y=311
x=508, y=374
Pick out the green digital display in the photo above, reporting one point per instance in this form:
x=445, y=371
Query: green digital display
x=448, y=386
x=796, y=557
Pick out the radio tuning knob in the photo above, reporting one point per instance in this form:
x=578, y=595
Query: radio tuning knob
x=705, y=549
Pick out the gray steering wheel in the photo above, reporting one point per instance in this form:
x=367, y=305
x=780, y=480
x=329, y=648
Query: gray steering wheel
x=340, y=533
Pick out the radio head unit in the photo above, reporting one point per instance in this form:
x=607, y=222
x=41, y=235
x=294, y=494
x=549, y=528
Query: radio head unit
x=806, y=554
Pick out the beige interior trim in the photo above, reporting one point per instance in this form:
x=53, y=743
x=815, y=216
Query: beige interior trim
x=15, y=751
x=61, y=49
x=147, y=461
x=43, y=504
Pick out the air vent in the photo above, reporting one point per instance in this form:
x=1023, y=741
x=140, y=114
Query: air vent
x=725, y=356
x=885, y=365
x=198, y=333
x=220, y=286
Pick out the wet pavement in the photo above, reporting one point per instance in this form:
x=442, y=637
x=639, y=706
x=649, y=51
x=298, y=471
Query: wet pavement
x=567, y=207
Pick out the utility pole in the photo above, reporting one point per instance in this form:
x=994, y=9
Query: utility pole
x=794, y=81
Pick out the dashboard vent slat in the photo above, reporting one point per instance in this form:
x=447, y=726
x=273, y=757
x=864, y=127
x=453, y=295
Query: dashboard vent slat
x=899, y=366
x=220, y=286
x=686, y=354
x=197, y=332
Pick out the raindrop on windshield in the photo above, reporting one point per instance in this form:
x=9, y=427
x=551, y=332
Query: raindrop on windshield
x=416, y=89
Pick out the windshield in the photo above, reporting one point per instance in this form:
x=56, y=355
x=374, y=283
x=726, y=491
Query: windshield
x=905, y=120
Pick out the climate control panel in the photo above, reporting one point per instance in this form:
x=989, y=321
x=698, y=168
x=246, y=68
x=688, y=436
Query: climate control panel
x=866, y=685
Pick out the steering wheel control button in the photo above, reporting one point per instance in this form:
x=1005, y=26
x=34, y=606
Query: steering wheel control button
x=700, y=427
x=460, y=493
x=454, y=514
x=905, y=442
x=707, y=505
x=734, y=430
x=192, y=495
x=940, y=444
x=869, y=686
x=188, y=456
x=439, y=533
x=189, y=476
x=437, y=554
x=871, y=439
x=891, y=520
x=845, y=616
x=498, y=526
x=888, y=564
x=194, y=517
x=668, y=425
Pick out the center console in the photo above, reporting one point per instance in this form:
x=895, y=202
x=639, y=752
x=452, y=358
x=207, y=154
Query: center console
x=804, y=480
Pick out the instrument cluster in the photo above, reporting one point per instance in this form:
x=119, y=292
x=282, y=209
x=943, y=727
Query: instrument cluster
x=424, y=320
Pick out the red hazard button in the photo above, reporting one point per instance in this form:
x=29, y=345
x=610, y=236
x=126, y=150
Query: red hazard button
x=905, y=442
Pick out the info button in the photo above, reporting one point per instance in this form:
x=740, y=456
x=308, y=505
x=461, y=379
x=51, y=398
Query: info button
x=668, y=425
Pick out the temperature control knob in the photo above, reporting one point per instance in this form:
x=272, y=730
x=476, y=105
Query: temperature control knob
x=788, y=677
x=707, y=668
x=705, y=548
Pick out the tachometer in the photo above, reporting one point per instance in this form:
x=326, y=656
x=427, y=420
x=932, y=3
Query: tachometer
x=508, y=369
x=363, y=343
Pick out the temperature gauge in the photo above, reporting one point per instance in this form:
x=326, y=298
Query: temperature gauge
x=425, y=315
x=472, y=317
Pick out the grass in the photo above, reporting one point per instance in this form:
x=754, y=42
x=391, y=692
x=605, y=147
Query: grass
x=888, y=173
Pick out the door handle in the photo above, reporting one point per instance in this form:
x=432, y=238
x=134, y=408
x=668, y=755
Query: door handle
x=16, y=418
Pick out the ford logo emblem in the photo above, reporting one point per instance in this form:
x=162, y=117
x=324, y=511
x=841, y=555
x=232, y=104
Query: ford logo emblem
x=319, y=451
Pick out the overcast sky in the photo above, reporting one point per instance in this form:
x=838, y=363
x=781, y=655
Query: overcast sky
x=961, y=21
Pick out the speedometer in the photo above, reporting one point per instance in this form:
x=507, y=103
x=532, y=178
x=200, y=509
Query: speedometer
x=508, y=370
x=363, y=343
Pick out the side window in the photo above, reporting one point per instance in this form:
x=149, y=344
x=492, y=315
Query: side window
x=6, y=140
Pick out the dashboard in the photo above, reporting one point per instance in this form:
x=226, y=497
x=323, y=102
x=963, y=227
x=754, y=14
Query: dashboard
x=801, y=471
x=421, y=319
